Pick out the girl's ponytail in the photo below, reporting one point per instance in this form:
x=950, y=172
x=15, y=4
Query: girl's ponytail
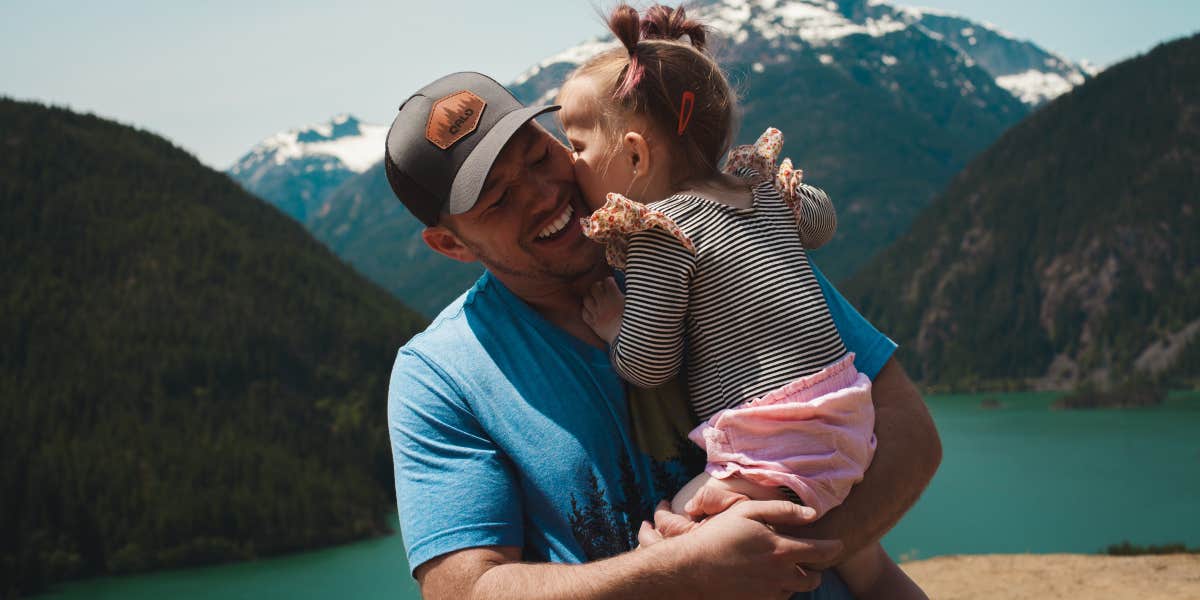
x=664, y=23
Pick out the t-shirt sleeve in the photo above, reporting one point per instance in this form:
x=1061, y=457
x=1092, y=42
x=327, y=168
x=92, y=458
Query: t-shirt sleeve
x=871, y=348
x=455, y=488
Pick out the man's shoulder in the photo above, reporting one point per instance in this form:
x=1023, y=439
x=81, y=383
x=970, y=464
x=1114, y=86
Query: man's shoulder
x=452, y=326
x=439, y=358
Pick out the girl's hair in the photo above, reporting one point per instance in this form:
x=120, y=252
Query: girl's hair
x=672, y=82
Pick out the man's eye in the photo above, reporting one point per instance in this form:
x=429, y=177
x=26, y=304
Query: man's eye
x=499, y=201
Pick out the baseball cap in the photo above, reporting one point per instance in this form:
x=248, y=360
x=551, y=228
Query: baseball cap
x=445, y=139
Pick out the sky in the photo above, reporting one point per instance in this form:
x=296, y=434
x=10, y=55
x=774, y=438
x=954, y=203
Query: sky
x=218, y=76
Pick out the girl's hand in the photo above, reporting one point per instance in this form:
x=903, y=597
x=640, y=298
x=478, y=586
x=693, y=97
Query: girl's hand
x=705, y=496
x=602, y=309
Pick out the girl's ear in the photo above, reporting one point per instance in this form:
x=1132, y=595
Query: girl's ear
x=638, y=151
x=445, y=242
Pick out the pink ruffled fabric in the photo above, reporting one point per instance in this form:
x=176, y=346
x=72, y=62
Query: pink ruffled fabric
x=612, y=224
x=815, y=436
x=761, y=157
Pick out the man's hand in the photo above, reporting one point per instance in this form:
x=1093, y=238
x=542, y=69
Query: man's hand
x=602, y=309
x=744, y=540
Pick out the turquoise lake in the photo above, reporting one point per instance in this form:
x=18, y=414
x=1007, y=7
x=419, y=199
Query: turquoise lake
x=1020, y=478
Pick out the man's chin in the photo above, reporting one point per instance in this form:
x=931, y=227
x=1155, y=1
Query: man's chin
x=580, y=261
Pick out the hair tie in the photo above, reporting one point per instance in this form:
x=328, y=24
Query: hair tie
x=686, y=105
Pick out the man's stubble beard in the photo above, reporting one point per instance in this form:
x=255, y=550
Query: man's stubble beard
x=541, y=270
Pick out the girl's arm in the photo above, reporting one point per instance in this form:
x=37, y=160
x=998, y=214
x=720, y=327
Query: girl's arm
x=648, y=349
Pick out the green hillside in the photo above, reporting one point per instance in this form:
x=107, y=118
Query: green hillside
x=364, y=224
x=1069, y=250
x=185, y=375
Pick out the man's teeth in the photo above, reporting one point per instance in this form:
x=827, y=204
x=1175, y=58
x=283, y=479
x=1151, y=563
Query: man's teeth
x=558, y=223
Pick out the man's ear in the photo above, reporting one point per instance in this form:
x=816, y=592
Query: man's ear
x=447, y=243
x=637, y=151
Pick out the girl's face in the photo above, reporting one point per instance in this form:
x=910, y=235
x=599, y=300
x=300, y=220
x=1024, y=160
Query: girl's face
x=598, y=167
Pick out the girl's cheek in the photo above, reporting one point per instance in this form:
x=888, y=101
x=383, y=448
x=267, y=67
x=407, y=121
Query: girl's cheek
x=593, y=192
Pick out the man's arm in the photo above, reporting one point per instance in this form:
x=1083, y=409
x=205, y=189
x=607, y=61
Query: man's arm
x=908, y=453
x=735, y=555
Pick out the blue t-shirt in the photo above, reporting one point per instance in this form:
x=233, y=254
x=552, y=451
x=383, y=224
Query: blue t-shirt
x=508, y=431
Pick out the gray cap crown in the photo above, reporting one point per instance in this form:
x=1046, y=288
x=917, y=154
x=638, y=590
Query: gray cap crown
x=445, y=139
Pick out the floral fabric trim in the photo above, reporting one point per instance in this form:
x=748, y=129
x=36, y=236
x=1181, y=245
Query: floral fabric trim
x=613, y=223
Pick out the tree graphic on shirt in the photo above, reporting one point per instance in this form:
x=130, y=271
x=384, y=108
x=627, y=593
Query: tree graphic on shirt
x=603, y=528
x=596, y=526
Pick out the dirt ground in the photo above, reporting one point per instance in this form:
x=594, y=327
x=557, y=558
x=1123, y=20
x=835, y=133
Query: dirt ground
x=1054, y=576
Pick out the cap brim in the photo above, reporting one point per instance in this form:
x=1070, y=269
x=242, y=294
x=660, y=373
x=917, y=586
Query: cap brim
x=464, y=192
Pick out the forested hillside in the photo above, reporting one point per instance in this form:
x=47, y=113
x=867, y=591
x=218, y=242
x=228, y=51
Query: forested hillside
x=185, y=375
x=1069, y=251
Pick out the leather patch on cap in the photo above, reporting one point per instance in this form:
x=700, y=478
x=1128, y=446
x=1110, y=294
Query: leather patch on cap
x=453, y=117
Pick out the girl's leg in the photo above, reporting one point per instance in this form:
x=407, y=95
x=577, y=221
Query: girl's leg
x=872, y=575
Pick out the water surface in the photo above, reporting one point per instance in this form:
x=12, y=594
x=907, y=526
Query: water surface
x=1019, y=478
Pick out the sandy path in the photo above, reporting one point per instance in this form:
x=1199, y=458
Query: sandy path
x=1053, y=576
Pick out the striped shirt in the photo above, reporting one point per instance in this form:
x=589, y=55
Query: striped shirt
x=747, y=302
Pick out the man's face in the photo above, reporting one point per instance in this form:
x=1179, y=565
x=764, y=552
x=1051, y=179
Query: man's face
x=526, y=221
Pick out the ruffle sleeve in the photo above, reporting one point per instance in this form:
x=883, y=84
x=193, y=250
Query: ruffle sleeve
x=620, y=217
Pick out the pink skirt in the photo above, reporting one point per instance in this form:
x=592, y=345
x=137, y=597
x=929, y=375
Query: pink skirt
x=815, y=436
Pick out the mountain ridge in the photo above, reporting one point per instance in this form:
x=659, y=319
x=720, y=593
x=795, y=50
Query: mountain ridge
x=297, y=168
x=1066, y=253
x=186, y=375
x=881, y=106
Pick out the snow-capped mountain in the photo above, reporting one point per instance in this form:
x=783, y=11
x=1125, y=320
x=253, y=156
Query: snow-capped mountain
x=1031, y=73
x=295, y=169
x=762, y=32
x=881, y=105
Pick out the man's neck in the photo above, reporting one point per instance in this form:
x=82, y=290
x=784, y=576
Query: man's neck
x=559, y=302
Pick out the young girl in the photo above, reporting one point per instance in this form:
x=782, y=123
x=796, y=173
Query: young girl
x=716, y=271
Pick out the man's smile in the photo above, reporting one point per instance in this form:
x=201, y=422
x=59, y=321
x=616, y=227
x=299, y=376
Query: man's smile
x=558, y=224
x=561, y=229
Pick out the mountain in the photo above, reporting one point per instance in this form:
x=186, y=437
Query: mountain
x=186, y=376
x=329, y=178
x=1067, y=253
x=364, y=223
x=294, y=170
x=881, y=106
x=759, y=29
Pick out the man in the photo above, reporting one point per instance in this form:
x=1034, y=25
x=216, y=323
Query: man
x=514, y=454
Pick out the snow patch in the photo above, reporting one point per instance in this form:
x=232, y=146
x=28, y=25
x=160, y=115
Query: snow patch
x=817, y=23
x=889, y=60
x=575, y=55
x=546, y=98
x=357, y=151
x=1035, y=87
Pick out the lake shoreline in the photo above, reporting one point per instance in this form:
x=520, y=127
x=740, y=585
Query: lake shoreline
x=1048, y=481
x=1053, y=576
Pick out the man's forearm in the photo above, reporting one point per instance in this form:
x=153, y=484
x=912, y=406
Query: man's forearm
x=651, y=572
x=736, y=554
x=907, y=455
